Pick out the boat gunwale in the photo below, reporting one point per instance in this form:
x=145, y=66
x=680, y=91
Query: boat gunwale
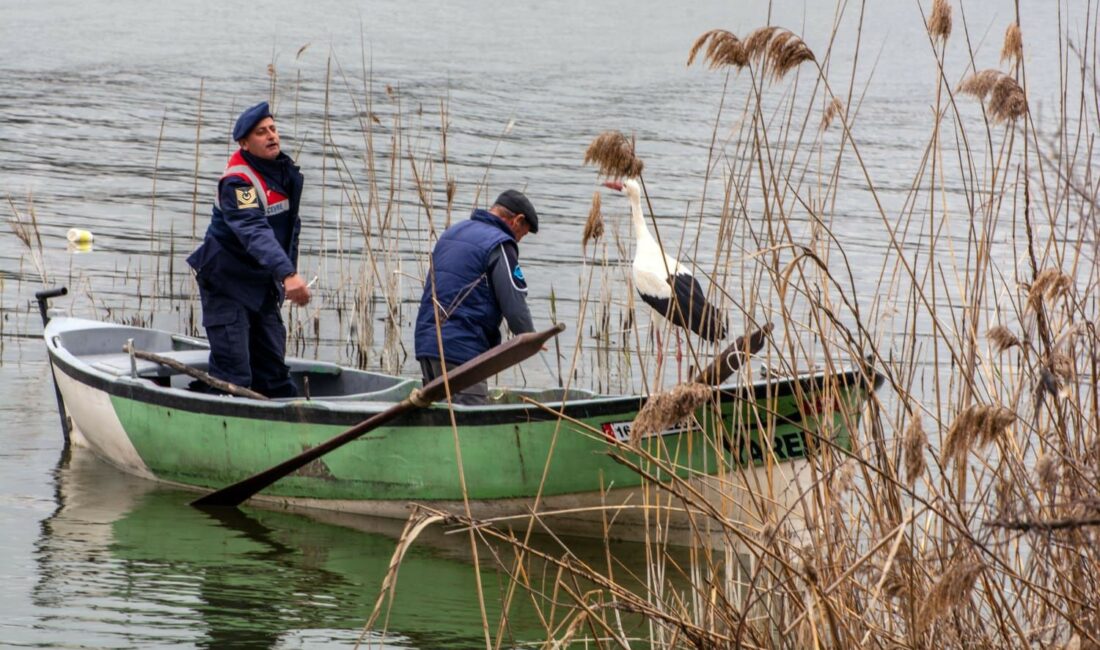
x=349, y=412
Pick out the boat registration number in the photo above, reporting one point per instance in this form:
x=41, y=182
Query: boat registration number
x=620, y=431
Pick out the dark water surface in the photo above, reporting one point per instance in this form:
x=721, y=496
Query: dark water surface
x=107, y=111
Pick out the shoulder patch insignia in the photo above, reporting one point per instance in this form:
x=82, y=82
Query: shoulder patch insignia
x=246, y=198
x=517, y=273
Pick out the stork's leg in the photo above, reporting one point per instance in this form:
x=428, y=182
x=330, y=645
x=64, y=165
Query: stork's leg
x=679, y=359
x=660, y=355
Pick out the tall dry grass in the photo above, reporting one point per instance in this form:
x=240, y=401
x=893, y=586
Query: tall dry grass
x=965, y=514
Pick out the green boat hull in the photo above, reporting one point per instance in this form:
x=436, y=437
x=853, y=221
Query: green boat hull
x=564, y=455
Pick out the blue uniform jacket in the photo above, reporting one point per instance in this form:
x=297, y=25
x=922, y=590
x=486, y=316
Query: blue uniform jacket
x=246, y=253
x=470, y=316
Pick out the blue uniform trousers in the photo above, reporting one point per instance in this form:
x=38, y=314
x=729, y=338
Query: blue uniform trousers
x=247, y=347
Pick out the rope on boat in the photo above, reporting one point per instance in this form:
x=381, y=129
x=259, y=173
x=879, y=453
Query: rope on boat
x=417, y=399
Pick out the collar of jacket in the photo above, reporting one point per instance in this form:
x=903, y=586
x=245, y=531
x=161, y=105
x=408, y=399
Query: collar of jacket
x=484, y=216
x=278, y=171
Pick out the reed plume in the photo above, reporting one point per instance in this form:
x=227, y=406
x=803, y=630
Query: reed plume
x=950, y=591
x=613, y=154
x=915, y=440
x=593, y=228
x=834, y=109
x=452, y=188
x=1046, y=470
x=757, y=42
x=1056, y=374
x=1013, y=47
x=1007, y=101
x=1002, y=338
x=663, y=410
x=779, y=48
x=1048, y=382
x=976, y=426
x=1050, y=284
x=773, y=46
x=939, y=24
x=723, y=49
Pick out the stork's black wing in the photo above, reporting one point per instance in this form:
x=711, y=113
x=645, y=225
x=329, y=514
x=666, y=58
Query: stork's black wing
x=692, y=309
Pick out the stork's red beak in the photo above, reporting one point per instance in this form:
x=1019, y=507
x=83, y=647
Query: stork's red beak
x=615, y=185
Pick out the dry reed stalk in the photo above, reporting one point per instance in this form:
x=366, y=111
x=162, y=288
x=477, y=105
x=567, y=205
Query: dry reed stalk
x=843, y=478
x=1002, y=338
x=976, y=426
x=1013, y=47
x=950, y=591
x=1068, y=337
x=663, y=410
x=28, y=233
x=939, y=24
x=613, y=154
x=1044, y=593
x=914, y=441
x=1007, y=101
x=593, y=227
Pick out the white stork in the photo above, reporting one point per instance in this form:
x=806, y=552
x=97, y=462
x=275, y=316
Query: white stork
x=665, y=284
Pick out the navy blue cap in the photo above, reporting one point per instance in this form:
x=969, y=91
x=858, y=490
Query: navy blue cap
x=517, y=203
x=249, y=118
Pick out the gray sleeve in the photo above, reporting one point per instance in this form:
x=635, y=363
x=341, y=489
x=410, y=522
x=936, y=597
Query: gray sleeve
x=509, y=287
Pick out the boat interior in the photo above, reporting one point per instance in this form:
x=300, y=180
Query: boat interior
x=103, y=350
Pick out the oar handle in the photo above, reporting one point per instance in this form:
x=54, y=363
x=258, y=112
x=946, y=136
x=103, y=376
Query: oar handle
x=486, y=364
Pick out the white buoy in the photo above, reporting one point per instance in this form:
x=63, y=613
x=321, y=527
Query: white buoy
x=78, y=236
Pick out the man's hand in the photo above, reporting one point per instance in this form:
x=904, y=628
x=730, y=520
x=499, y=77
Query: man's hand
x=296, y=289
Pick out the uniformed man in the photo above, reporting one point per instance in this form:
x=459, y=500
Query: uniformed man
x=247, y=262
x=474, y=283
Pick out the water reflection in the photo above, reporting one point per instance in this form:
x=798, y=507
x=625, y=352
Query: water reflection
x=124, y=562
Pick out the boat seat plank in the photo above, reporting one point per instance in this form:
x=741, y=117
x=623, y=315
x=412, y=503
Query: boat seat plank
x=118, y=363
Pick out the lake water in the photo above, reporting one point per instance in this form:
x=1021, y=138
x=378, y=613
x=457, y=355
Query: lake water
x=109, y=109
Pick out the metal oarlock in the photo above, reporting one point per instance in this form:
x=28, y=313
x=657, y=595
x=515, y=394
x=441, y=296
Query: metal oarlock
x=43, y=298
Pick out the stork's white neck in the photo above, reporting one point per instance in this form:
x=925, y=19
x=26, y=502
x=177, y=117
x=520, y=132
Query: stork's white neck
x=648, y=255
x=641, y=231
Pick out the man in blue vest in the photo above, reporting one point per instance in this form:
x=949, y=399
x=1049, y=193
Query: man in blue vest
x=474, y=282
x=247, y=262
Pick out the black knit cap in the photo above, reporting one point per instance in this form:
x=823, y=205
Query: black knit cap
x=517, y=203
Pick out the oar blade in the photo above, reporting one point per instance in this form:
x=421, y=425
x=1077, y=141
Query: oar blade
x=729, y=360
x=473, y=371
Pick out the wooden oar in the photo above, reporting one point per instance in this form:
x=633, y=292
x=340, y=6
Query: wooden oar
x=473, y=371
x=224, y=386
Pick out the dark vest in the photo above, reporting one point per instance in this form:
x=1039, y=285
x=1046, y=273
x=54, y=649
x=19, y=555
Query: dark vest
x=222, y=262
x=469, y=314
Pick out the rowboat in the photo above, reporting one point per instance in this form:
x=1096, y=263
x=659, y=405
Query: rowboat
x=564, y=454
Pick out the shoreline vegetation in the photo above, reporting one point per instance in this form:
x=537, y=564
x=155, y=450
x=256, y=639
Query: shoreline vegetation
x=966, y=514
